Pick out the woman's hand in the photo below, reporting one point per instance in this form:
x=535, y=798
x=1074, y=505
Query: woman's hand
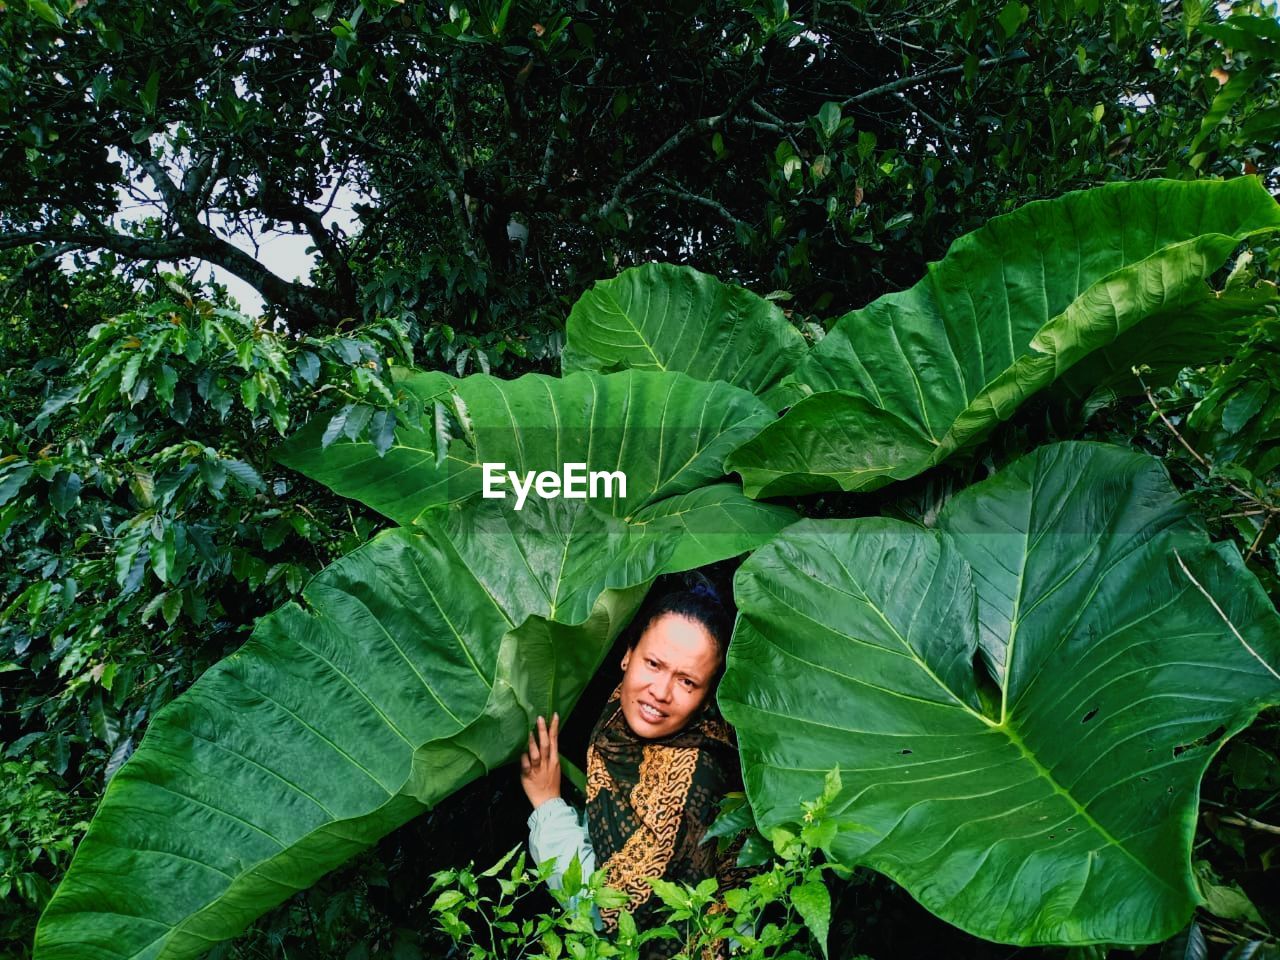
x=540, y=764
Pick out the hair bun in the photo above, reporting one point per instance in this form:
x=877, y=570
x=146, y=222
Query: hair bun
x=703, y=588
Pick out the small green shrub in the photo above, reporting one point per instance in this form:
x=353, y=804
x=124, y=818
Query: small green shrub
x=39, y=824
x=783, y=911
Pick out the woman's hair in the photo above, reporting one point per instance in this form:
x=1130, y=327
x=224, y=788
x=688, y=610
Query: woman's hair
x=697, y=600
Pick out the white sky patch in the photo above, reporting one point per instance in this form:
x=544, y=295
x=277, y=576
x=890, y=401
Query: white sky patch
x=282, y=252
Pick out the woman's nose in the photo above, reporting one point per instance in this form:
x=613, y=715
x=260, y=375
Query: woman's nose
x=661, y=688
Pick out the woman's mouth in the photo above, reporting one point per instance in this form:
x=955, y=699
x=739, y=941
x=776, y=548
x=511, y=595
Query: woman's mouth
x=651, y=713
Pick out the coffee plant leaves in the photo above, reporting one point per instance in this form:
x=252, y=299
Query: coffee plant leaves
x=1021, y=702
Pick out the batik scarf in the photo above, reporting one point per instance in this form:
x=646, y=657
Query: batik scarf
x=649, y=803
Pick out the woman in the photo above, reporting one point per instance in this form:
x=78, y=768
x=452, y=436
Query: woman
x=658, y=763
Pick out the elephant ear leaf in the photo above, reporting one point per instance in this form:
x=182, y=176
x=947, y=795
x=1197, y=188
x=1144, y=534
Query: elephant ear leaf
x=901, y=384
x=1021, y=703
x=663, y=317
x=668, y=434
x=416, y=663
x=710, y=524
x=1203, y=330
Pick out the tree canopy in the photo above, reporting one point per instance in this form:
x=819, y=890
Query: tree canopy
x=502, y=156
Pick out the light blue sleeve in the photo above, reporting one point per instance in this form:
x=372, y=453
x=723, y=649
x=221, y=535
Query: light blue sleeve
x=556, y=831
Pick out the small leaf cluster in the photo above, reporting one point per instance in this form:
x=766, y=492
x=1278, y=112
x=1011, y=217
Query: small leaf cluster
x=1219, y=426
x=39, y=824
x=782, y=912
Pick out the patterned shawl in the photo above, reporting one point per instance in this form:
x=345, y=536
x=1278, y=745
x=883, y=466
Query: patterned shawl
x=649, y=802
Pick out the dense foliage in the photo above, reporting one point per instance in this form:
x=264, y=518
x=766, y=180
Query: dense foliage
x=141, y=533
x=504, y=156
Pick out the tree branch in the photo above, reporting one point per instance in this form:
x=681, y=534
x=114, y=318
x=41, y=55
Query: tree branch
x=176, y=200
x=306, y=306
x=197, y=176
x=679, y=137
x=26, y=277
x=138, y=248
x=765, y=125
x=281, y=209
x=704, y=201
x=904, y=82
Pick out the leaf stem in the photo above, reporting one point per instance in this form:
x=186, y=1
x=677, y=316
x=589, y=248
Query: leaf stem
x=1257, y=541
x=1240, y=820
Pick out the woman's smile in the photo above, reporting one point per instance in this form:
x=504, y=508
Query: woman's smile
x=651, y=713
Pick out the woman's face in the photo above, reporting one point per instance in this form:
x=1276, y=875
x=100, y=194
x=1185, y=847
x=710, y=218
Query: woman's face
x=667, y=675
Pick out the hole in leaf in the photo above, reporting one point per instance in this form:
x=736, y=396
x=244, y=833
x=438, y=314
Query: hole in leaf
x=904, y=752
x=1089, y=716
x=1052, y=836
x=1204, y=741
x=1071, y=829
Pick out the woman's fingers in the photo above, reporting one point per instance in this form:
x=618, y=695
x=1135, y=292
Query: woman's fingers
x=540, y=764
x=544, y=743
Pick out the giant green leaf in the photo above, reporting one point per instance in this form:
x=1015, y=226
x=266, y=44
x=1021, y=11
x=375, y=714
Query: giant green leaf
x=419, y=660
x=1021, y=703
x=1201, y=331
x=710, y=524
x=416, y=663
x=668, y=433
x=904, y=382
x=663, y=317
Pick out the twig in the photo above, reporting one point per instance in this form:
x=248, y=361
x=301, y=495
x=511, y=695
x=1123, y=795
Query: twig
x=1192, y=450
x=904, y=82
x=681, y=135
x=761, y=124
x=704, y=201
x=771, y=117
x=1225, y=619
x=941, y=127
x=1213, y=927
x=1240, y=820
x=1257, y=542
x=1172, y=429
